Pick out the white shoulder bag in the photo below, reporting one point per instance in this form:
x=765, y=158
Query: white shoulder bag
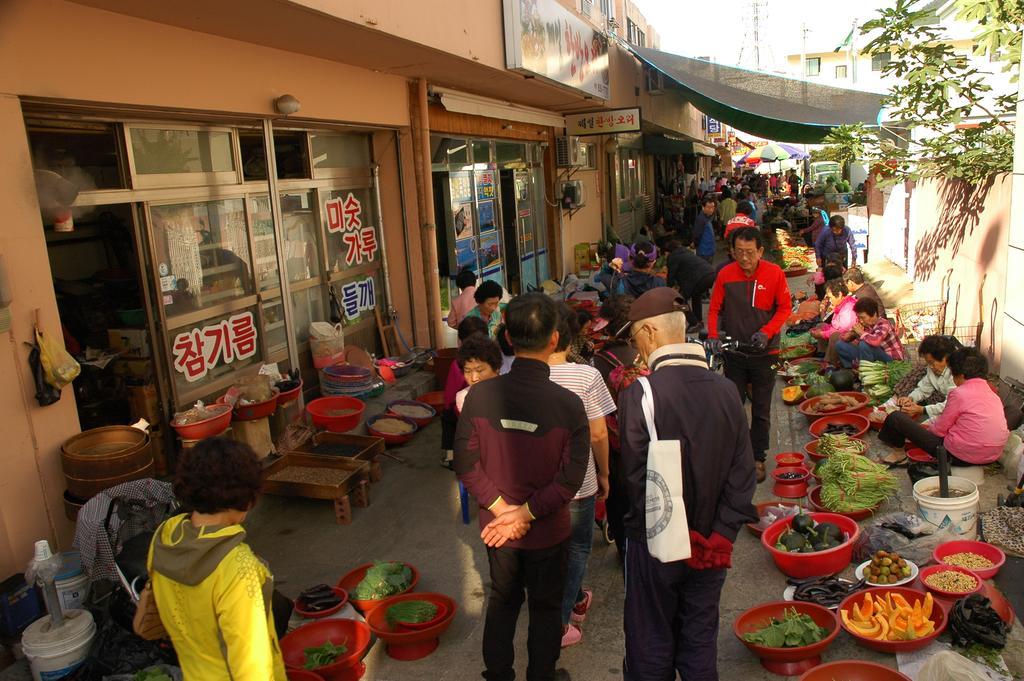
x=668, y=534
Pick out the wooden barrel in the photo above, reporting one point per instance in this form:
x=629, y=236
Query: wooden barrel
x=105, y=456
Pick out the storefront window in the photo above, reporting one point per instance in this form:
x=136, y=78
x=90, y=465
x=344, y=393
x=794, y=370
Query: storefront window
x=331, y=151
x=202, y=254
x=449, y=151
x=510, y=152
x=165, y=151
x=298, y=213
x=274, y=332
x=264, y=249
x=482, y=152
x=352, y=239
x=204, y=353
x=307, y=306
x=84, y=153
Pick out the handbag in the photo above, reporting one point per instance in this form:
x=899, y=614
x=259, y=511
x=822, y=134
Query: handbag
x=147, y=623
x=668, y=533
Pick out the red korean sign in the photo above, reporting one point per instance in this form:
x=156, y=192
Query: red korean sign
x=345, y=217
x=199, y=350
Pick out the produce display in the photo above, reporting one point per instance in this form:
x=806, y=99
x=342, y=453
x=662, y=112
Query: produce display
x=826, y=591
x=886, y=568
x=794, y=630
x=411, y=612
x=850, y=482
x=890, y=618
x=833, y=402
x=412, y=411
x=324, y=655
x=796, y=351
x=383, y=580
x=972, y=621
x=311, y=475
x=880, y=378
x=952, y=581
x=773, y=513
x=842, y=379
x=966, y=559
x=793, y=254
x=829, y=445
x=318, y=598
x=792, y=393
x=806, y=536
x=393, y=426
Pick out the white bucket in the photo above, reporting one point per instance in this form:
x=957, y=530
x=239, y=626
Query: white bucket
x=55, y=653
x=72, y=583
x=956, y=515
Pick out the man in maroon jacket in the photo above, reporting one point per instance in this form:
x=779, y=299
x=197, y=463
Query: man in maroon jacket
x=749, y=303
x=521, y=449
x=671, y=609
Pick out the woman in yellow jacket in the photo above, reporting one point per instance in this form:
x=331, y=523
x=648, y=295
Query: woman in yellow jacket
x=212, y=591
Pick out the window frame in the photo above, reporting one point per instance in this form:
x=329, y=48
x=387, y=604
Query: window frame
x=185, y=179
x=879, y=60
x=845, y=71
x=808, y=63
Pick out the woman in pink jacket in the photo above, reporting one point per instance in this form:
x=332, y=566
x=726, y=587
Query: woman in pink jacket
x=840, y=320
x=972, y=427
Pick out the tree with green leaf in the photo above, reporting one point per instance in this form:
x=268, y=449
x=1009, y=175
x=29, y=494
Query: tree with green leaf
x=947, y=120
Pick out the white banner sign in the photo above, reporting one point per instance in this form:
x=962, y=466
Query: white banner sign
x=545, y=39
x=603, y=122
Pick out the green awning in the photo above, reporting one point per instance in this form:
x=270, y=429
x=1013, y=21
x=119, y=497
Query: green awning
x=660, y=145
x=764, y=104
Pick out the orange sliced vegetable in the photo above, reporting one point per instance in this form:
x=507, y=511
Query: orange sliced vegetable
x=926, y=609
x=899, y=600
x=883, y=625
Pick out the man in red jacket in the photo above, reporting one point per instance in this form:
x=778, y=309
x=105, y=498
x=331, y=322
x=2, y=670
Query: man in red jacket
x=749, y=303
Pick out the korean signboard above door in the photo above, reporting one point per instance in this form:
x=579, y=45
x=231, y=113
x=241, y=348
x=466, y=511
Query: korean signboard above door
x=545, y=39
x=345, y=217
x=199, y=350
x=603, y=122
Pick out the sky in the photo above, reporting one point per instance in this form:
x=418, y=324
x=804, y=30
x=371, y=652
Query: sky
x=716, y=28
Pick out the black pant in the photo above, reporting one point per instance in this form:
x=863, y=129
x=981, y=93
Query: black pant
x=900, y=427
x=617, y=504
x=702, y=286
x=541, y=572
x=671, y=619
x=448, y=423
x=759, y=372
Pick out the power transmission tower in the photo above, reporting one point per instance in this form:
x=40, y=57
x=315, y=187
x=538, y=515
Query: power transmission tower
x=751, y=45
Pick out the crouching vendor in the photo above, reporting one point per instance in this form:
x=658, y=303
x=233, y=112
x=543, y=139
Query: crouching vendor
x=671, y=610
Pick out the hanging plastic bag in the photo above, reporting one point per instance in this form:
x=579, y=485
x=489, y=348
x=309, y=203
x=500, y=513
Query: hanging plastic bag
x=59, y=367
x=951, y=666
x=46, y=394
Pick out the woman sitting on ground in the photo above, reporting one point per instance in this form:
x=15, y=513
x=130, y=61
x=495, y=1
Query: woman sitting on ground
x=642, y=277
x=972, y=427
x=840, y=318
x=873, y=338
x=929, y=397
x=213, y=593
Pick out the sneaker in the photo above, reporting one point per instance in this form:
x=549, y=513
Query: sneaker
x=572, y=636
x=762, y=472
x=579, y=611
x=448, y=460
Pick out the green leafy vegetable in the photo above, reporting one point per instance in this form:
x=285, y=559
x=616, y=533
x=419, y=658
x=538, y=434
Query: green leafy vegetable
x=321, y=656
x=794, y=630
x=850, y=482
x=383, y=580
x=411, y=612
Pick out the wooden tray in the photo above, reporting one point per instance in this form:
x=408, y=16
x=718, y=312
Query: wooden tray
x=346, y=447
x=356, y=482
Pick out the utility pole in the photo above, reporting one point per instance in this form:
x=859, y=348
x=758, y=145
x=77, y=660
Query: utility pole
x=853, y=52
x=802, y=68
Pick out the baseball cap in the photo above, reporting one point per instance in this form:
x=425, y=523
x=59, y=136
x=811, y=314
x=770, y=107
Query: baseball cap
x=657, y=301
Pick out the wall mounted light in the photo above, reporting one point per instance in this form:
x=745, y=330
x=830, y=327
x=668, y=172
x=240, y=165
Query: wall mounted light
x=287, y=105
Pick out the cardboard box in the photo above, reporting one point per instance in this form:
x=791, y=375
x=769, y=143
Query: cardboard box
x=129, y=342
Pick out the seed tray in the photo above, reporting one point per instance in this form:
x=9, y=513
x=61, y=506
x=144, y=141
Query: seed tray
x=345, y=446
x=354, y=479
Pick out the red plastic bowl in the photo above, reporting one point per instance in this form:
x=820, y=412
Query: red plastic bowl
x=938, y=616
x=806, y=351
x=993, y=553
x=790, y=489
x=406, y=644
x=817, y=564
x=761, y=508
x=303, y=675
x=789, y=459
x=420, y=422
x=289, y=396
x=918, y=454
x=814, y=498
x=817, y=428
x=352, y=634
x=321, y=411
x=786, y=661
x=351, y=580
x=853, y=670
x=255, y=410
x=442, y=612
x=862, y=398
x=812, y=450
x=798, y=362
x=211, y=427
x=435, y=399
x=318, y=614
x=391, y=438
x=942, y=593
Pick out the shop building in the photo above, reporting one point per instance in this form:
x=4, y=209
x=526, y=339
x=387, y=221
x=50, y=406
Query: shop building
x=225, y=176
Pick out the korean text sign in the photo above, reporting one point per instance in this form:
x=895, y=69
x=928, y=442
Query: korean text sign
x=603, y=122
x=345, y=217
x=199, y=350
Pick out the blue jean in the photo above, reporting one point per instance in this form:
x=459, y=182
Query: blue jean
x=850, y=352
x=581, y=512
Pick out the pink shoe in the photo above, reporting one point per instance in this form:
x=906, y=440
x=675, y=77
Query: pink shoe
x=572, y=636
x=579, y=612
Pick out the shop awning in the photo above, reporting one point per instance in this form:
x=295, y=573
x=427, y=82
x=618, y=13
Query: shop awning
x=763, y=104
x=661, y=145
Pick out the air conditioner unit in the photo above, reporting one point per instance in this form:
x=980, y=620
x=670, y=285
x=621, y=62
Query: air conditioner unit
x=567, y=152
x=573, y=196
x=655, y=81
